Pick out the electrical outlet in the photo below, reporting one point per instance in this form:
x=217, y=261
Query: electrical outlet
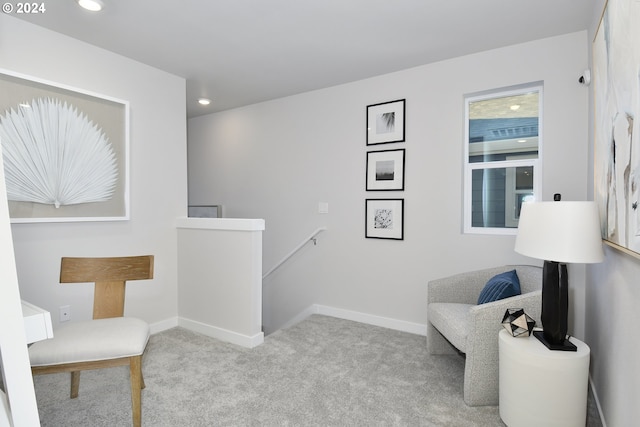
x=65, y=313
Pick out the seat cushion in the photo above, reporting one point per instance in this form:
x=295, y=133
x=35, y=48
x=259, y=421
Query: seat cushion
x=500, y=286
x=100, y=339
x=451, y=320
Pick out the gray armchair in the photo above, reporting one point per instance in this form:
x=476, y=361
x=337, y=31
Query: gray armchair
x=456, y=324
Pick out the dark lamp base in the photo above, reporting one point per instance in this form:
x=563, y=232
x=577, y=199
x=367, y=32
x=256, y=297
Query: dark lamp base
x=565, y=346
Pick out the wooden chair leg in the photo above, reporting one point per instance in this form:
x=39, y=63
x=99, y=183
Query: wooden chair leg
x=75, y=384
x=142, y=384
x=135, y=372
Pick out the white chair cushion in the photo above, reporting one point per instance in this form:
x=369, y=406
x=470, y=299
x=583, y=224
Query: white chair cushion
x=451, y=320
x=99, y=339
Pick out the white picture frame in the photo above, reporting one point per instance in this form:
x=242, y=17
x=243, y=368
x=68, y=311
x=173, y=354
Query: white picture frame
x=100, y=121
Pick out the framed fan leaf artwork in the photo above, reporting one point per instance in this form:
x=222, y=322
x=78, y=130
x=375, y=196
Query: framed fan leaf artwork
x=65, y=152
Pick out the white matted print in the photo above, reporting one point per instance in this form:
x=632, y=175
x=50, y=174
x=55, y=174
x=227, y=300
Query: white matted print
x=384, y=219
x=385, y=122
x=385, y=170
x=65, y=151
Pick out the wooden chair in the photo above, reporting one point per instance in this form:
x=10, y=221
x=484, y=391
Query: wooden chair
x=110, y=339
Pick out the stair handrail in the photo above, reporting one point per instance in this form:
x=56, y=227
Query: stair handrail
x=311, y=238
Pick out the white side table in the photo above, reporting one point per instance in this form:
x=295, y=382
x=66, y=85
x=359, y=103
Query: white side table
x=541, y=387
x=37, y=323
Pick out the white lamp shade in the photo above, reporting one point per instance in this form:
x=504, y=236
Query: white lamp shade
x=560, y=231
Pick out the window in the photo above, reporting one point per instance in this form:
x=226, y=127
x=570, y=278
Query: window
x=502, y=157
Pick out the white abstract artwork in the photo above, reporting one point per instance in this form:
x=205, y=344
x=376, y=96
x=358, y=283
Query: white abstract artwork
x=65, y=152
x=53, y=154
x=616, y=72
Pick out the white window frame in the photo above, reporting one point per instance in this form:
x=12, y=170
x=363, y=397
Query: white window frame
x=536, y=163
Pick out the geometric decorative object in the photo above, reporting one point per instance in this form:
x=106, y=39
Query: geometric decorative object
x=54, y=155
x=517, y=322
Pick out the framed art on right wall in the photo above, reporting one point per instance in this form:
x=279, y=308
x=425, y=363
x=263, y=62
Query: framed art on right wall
x=616, y=67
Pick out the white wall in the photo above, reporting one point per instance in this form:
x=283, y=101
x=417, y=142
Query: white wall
x=220, y=278
x=612, y=301
x=613, y=298
x=276, y=160
x=157, y=182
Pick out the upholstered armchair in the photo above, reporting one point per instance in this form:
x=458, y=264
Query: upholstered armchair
x=457, y=324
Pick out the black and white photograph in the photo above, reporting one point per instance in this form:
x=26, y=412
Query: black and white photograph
x=384, y=219
x=385, y=170
x=385, y=122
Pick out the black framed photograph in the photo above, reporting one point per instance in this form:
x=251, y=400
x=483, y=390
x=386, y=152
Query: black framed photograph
x=385, y=122
x=385, y=170
x=384, y=219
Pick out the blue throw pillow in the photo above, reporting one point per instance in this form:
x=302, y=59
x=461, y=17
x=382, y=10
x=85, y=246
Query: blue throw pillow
x=504, y=285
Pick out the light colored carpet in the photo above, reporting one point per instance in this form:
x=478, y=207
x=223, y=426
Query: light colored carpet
x=321, y=372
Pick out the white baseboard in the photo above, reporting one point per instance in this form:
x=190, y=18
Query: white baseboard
x=595, y=398
x=312, y=309
x=369, y=319
x=163, y=325
x=256, y=340
x=222, y=334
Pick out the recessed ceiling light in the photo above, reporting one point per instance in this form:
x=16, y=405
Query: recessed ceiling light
x=522, y=140
x=515, y=107
x=92, y=5
x=204, y=101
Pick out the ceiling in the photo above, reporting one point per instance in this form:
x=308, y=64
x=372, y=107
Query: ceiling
x=240, y=52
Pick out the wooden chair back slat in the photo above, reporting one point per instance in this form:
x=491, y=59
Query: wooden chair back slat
x=78, y=270
x=110, y=276
x=108, y=299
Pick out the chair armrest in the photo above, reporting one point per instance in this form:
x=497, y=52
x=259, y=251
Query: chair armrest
x=485, y=319
x=481, y=365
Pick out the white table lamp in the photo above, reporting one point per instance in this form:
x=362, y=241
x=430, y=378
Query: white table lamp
x=558, y=233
